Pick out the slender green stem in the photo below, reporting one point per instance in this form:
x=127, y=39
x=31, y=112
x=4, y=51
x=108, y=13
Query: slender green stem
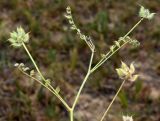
x=65, y=104
x=33, y=62
x=80, y=90
x=71, y=115
x=37, y=81
x=112, y=101
x=99, y=63
x=53, y=90
x=109, y=54
x=90, y=63
x=133, y=27
x=83, y=83
x=104, y=60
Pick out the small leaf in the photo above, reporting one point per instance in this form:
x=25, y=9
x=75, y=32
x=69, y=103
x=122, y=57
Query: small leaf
x=82, y=36
x=103, y=55
x=26, y=37
x=121, y=73
x=151, y=16
x=134, y=77
x=117, y=44
x=32, y=72
x=128, y=39
x=20, y=30
x=78, y=31
x=21, y=64
x=16, y=45
x=73, y=27
x=71, y=21
x=132, y=68
x=124, y=66
x=121, y=39
x=68, y=10
x=13, y=35
x=112, y=48
x=57, y=89
x=11, y=40
x=47, y=82
x=134, y=42
x=68, y=16
x=26, y=69
x=16, y=64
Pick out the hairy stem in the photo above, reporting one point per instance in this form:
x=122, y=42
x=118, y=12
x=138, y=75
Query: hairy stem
x=112, y=101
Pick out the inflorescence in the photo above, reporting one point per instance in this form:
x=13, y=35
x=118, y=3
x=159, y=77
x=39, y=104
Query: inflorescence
x=127, y=73
x=17, y=38
x=73, y=26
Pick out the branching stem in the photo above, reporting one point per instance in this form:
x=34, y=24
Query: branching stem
x=110, y=53
x=49, y=86
x=90, y=70
x=84, y=81
x=81, y=87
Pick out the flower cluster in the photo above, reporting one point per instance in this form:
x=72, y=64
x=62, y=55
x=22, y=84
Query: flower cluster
x=127, y=118
x=23, y=68
x=133, y=42
x=87, y=39
x=17, y=38
x=123, y=40
x=127, y=73
x=145, y=13
x=68, y=15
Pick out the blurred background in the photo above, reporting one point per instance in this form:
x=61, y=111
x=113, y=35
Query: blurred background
x=64, y=58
